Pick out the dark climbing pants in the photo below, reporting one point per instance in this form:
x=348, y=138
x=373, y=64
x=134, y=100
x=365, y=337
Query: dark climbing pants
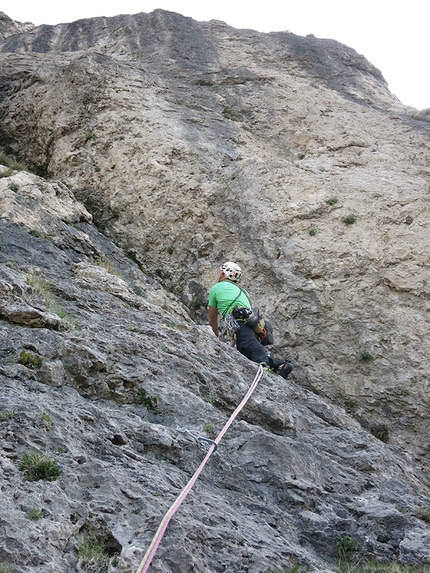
x=249, y=346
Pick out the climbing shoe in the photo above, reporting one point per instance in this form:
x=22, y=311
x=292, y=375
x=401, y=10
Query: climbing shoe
x=284, y=369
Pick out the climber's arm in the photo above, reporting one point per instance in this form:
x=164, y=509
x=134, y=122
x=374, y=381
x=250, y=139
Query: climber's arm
x=213, y=319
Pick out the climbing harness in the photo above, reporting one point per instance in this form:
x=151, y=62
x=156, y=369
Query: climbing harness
x=231, y=326
x=149, y=555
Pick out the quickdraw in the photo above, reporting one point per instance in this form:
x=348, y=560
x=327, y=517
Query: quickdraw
x=203, y=442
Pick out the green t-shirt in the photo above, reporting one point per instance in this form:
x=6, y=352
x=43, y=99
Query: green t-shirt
x=223, y=294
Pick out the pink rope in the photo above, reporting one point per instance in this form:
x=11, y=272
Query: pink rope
x=146, y=561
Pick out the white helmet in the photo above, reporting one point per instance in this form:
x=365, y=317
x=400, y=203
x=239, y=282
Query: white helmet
x=231, y=271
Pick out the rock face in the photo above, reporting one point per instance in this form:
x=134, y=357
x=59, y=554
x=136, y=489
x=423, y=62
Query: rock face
x=100, y=368
x=187, y=144
x=191, y=143
x=9, y=27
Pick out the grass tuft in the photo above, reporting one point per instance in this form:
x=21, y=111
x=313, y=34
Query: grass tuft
x=109, y=266
x=380, y=431
x=149, y=402
x=47, y=421
x=345, y=544
x=30, y=360
x=37, y=466
x=209, y=429
x=364, y=356
x=12, y=163
x=93, y=554
x=332, y=200
x=46, y=292
x=6, y=415
x=7, y=568
x=34, y=514
x=349, y=219
x=378, y=567
x=423, y=513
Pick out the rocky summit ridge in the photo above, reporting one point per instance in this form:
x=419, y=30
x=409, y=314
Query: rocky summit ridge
x=160, y=146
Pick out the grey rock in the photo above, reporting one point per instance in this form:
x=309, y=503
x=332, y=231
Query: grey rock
x=293, y=474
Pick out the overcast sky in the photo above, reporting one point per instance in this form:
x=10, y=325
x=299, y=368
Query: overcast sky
x=393, y=36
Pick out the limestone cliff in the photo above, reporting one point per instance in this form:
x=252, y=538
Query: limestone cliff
x=189, y=143
x=100, y=368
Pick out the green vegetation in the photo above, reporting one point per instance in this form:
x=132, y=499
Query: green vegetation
x=366, y=567
x=42, y=234
x=332, y=200
x=380, y=431
x=171, y=249
x=34, y=514
x=7, y=415
x=301, y=156
x=350, y=405
x=109, y=266
x=377, y=567
x=89, y=136
x=46, y=292
x=10, y=359
x=232, y=115
x=47, y=421
x=423, y=513
x=133, y=327
x=132, y=254
x=43, y=288
x=364, y=356
x=6, y=568
x=312, y=231
x=203, y=82
x=12, y=163
x=149, y=402
x=38, y=234
x=209, y=428
x=345, y=544
x=30, y=360
x=292, y=569
x=349, y=219
x=93, y=554
x=13, y=186
x=37, y=466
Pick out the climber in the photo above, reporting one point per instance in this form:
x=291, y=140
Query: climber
x=225, y=296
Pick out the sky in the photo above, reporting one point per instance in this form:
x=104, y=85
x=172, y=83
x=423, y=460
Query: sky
x=393, y=36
